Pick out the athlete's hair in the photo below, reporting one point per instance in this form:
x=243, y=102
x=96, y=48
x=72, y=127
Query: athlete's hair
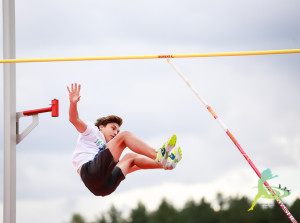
x=109, y=119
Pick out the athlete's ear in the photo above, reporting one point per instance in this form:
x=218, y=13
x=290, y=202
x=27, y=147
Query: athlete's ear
x=101, y=127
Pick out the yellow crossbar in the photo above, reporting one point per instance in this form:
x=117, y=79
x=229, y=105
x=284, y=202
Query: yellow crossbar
x=153, y=56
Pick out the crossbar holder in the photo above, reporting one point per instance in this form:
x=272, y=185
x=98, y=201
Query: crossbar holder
x=35, y=119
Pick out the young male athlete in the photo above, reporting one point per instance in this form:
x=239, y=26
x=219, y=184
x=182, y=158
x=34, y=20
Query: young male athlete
x=99, y=147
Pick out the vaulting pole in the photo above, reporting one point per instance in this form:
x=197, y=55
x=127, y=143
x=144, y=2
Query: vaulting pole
x=9, y=52
x=233, y=139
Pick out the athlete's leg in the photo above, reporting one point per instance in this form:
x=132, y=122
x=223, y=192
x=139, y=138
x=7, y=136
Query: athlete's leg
x=134, y=168
x=127, y=139
x=132, y=162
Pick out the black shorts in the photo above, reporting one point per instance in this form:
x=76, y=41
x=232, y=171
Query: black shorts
x=101, y=175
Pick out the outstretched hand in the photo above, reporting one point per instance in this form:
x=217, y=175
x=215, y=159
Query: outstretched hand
x=74, y=93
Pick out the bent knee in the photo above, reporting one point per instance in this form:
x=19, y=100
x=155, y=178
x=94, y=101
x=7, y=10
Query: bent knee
x=127, y=161
x=130, y=156
x=125, y=134
x=122, y=136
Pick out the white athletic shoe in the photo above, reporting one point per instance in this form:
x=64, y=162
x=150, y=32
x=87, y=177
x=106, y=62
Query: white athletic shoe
x=164, y=152
x=174, y=158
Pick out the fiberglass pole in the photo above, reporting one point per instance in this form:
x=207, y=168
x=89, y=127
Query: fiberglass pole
x=223, y=126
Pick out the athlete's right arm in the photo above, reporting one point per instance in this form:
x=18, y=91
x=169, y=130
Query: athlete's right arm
x=73, y=112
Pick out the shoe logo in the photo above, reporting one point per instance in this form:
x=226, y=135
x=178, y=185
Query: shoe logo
x=172, y=156
x=163, y=151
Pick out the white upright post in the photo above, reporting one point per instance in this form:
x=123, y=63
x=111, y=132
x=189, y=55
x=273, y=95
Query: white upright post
x=9, y=52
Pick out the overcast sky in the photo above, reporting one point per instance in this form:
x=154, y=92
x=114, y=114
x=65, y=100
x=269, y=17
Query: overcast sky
x=257, y=97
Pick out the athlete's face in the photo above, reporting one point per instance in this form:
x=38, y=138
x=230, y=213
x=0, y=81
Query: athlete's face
x=110, y=130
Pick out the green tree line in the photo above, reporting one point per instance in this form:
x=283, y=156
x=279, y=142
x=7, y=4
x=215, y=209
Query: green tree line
x=231, y=210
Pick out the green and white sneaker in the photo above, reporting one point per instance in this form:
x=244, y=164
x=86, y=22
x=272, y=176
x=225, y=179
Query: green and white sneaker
x=164, y=151
x=174, y=158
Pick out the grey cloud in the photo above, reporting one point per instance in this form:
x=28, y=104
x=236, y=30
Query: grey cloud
x=256, y=97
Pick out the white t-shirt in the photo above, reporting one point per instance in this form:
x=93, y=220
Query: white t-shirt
x=88, y=144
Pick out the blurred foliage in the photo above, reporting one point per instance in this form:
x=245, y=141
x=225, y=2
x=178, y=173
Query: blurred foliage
x=226, y=210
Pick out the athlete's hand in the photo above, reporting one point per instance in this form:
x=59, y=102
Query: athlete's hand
x=74, y=93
